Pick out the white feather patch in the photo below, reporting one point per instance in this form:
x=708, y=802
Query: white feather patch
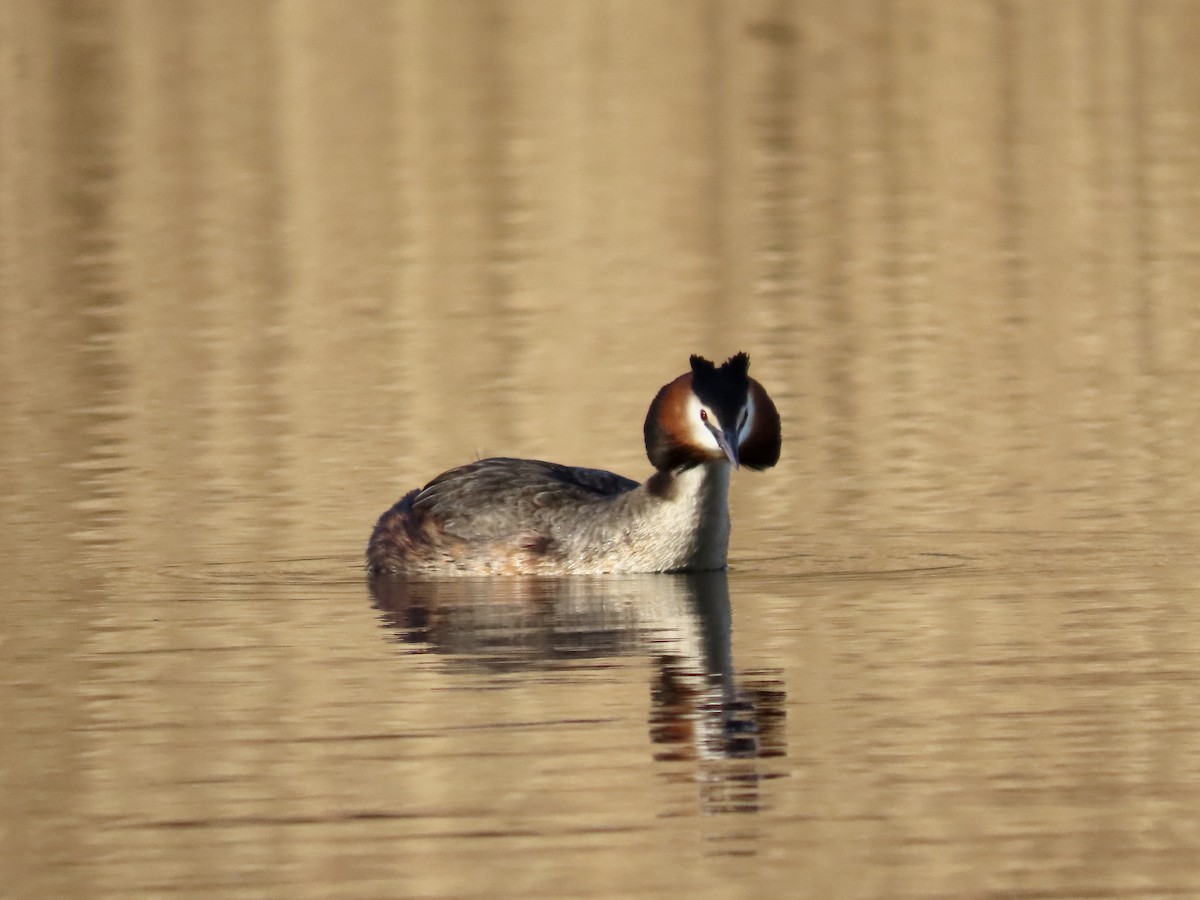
x=697, y=430
x=748, y=422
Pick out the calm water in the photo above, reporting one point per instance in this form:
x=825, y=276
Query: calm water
x=263, y=267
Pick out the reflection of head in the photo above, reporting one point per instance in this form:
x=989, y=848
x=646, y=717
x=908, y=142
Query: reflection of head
x=703, y=718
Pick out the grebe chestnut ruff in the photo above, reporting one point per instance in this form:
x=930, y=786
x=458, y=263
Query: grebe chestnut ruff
x=526, y=517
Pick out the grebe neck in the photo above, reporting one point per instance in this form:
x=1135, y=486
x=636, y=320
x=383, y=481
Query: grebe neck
x=694, y=501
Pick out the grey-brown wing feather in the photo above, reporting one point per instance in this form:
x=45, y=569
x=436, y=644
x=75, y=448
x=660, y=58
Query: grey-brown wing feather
x=497, y=497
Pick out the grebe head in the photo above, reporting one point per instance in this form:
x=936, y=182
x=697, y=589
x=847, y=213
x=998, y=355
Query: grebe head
x=712, y=413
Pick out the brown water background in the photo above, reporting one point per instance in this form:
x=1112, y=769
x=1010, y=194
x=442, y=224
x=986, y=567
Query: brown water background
x=265, y=266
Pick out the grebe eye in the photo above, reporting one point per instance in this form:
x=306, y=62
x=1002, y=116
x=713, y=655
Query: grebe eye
x=704, y=415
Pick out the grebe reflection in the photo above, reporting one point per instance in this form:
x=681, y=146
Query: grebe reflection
x=700, y=713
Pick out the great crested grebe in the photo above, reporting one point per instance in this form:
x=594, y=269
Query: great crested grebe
x=528, y=517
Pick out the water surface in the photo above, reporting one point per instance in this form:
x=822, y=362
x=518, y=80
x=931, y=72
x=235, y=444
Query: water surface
x=265, y=267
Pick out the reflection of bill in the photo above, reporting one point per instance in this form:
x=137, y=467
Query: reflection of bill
x=723, y=730
x=699, y=713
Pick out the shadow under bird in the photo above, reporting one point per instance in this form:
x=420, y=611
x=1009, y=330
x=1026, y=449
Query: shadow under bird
x=506, y=516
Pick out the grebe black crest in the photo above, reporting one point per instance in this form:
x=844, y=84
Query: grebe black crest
x=524, y=516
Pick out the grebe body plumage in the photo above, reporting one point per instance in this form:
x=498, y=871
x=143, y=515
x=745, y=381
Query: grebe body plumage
x=522, y=516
